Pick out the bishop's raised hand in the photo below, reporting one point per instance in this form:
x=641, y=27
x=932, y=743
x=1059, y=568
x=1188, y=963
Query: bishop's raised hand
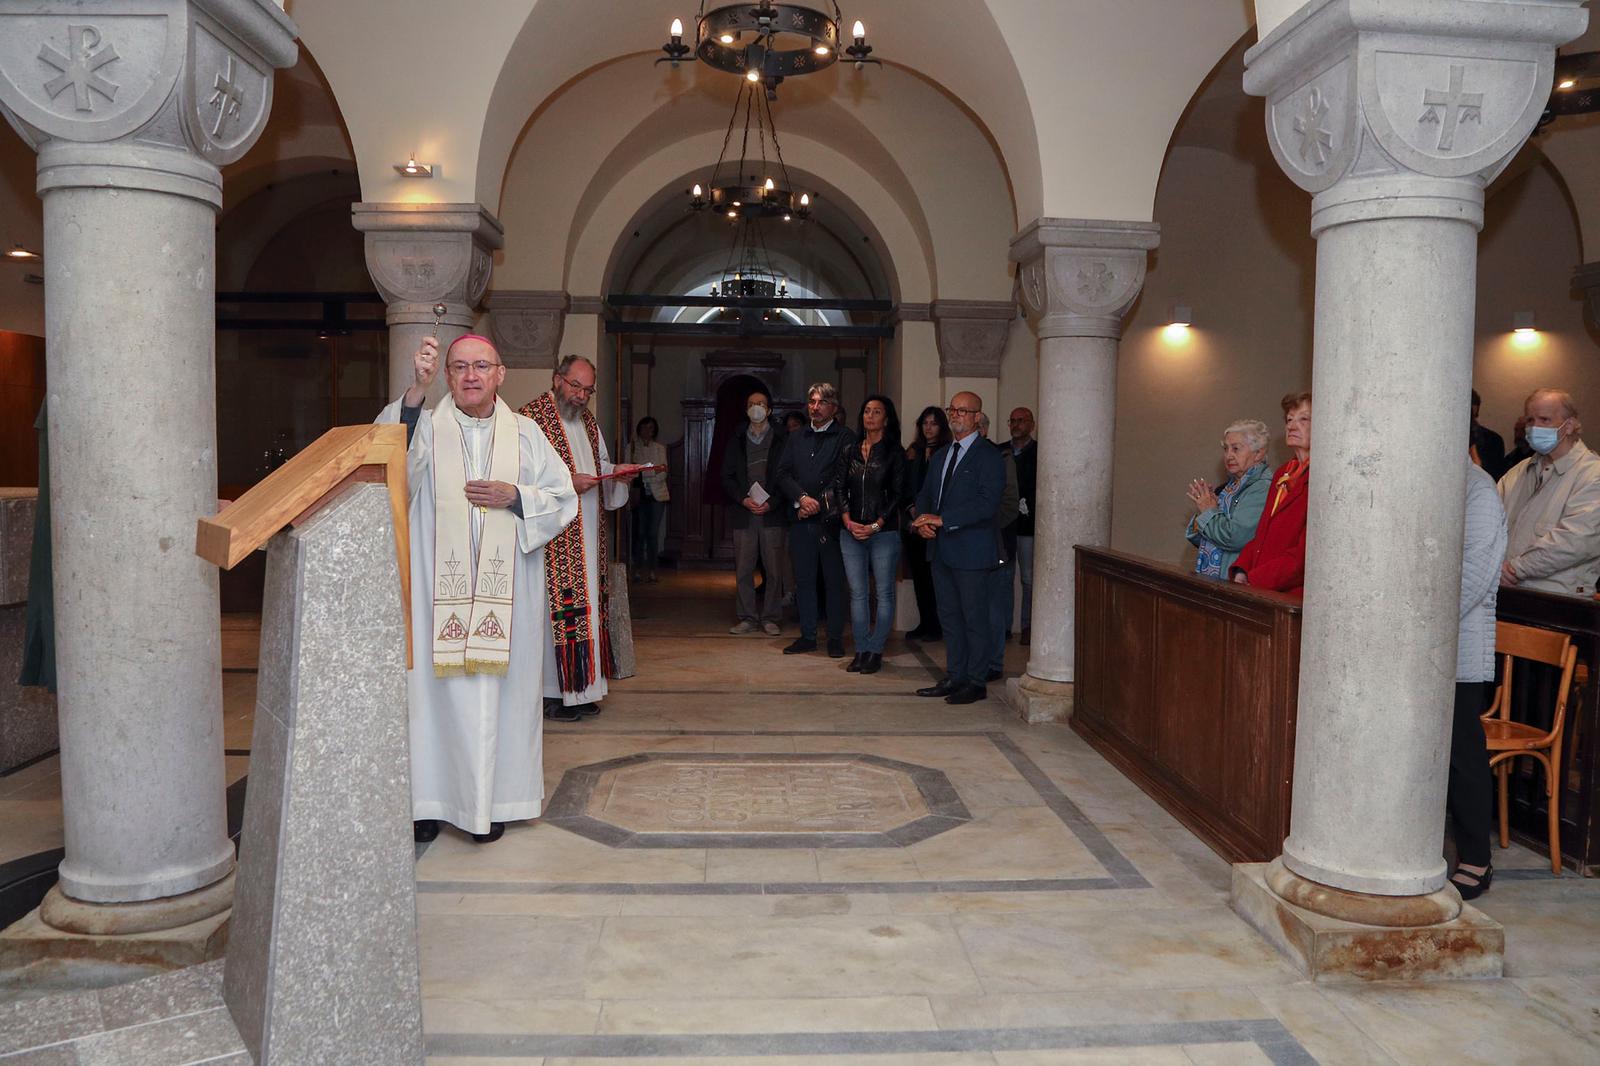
x=426, y=361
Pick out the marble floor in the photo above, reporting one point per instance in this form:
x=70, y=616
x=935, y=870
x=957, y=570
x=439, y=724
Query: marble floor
x=1051, y=912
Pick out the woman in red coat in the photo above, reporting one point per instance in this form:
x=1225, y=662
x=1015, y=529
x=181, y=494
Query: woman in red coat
x=1276, y=558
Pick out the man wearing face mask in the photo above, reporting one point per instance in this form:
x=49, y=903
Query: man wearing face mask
x=1552, y=502
x=759, y=520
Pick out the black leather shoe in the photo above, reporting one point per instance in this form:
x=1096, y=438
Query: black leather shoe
x=933, y=636
x=855, y=663
x=588, y=710
x=560, y=712
x=942, y=689
x=836, y=649
x=995, y=675
x=801, y=646
x=496, y=831
x=873, y=663
x=968, y=694
x=425, y=830
x=916, y=634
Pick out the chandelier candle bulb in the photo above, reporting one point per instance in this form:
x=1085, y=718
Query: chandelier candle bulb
x=677, y=29
x=860, y=31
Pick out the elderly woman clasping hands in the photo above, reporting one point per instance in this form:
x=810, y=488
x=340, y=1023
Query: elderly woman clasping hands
x=1226, y=518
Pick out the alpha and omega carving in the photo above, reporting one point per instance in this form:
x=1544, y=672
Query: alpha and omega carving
x=1454, y=105
x=225, y=97
x=79, y=68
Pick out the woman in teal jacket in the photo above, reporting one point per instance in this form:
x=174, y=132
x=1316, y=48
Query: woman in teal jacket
x=1227, y=517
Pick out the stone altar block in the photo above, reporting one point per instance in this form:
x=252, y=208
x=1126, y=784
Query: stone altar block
x=322, y=963
x=28, y=726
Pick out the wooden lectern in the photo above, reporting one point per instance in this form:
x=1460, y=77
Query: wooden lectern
x=301, y=487
x=322, y=952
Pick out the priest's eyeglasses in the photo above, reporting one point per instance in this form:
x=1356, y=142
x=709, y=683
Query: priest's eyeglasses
x=584, y=390
x=482, y=366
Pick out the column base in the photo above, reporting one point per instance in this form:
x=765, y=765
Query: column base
x=35, y=955
x=62, y=912
x=1038, y=700
x=1332, y=949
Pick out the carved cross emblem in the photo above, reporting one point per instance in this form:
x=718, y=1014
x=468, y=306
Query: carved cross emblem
x=80, y=67
x=1315, y=141
x=1457, y=107
x=226, y=96
x=1095, y=281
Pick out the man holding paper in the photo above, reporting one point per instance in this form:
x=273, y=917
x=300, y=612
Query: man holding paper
x=759, y=521
x=577, y=650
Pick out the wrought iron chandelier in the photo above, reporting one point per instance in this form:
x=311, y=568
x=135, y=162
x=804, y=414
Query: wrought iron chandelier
x=768, y=41
x=756, y=183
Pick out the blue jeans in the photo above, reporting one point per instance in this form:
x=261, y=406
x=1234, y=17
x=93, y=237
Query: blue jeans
x=875, y=559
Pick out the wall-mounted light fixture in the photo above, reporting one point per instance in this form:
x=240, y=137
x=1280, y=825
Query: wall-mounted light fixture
x=1176, y=331
x=20, y=254
x=413, y=169
x=1524, y=334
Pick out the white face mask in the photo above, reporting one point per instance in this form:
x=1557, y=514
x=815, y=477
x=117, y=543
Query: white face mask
x=757, y=413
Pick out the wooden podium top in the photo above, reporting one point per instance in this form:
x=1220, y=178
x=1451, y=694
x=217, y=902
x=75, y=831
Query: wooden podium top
x=299, y=488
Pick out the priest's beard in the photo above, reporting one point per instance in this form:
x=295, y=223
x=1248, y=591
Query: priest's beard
x=570, y=412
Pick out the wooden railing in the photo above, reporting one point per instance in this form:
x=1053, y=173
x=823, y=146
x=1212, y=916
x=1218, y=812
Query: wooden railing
x=1189, y=687
x=299, y=488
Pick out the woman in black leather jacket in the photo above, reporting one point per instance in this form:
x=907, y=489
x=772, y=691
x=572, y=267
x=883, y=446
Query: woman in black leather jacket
x=932, y=432
x=877, y=486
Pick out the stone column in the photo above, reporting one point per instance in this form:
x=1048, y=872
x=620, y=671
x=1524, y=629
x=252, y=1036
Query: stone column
x=1078, y=278
x=132, y=108
x=1396, y=117
x=422, y=255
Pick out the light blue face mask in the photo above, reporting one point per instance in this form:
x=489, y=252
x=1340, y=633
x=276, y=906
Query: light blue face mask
x=1543, y=439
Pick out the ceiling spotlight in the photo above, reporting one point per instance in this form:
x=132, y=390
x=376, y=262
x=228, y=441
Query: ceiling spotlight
x=1522, y=322
x=733, y=214
x=726, y=38
x=822, y=49
x=752, y=75
x=787, y=217
x=1566, y=83
x=21, y=254
x=413, y=169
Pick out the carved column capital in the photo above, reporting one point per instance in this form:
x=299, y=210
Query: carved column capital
x=1078, y=277
x=971, y=335
x=147, y=94
x=526, y=326
x=1406, y=108
x=420, y=255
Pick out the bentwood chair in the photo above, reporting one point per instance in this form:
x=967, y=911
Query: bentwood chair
x=1507, y=739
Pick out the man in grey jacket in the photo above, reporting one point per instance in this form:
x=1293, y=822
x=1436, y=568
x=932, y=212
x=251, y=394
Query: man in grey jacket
x=1552, y=503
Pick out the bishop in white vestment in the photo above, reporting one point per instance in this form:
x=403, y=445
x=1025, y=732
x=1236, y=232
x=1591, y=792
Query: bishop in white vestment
x=487, y=493
x=577, y=657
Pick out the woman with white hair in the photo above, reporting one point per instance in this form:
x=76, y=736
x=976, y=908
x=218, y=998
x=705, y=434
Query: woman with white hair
x=1227, y=517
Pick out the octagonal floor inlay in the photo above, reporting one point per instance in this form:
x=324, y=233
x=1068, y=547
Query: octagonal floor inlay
x=733, y=800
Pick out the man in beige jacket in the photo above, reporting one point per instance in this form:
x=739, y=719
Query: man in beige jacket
x=1552, y=502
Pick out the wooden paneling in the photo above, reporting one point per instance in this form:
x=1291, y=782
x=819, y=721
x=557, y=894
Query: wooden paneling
x=21, y=394
x=1188, y=686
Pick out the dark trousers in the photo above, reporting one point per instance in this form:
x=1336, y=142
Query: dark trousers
x=916, y=555
x=964, y=615
x=1002, y=598
x=815, y=551
x=1470, y=795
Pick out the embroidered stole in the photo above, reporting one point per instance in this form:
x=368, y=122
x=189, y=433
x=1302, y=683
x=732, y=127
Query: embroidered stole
x=472, y=605
x=566, y=577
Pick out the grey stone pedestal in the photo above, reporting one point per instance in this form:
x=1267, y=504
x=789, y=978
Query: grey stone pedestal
x=322, y=960
x=27, y=715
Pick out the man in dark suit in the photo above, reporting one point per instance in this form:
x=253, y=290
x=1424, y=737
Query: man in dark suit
x=958, y=510
x=811, y=474
x=1491, y=446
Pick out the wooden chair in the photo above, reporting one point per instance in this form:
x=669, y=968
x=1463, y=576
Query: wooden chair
x=1508, y=739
